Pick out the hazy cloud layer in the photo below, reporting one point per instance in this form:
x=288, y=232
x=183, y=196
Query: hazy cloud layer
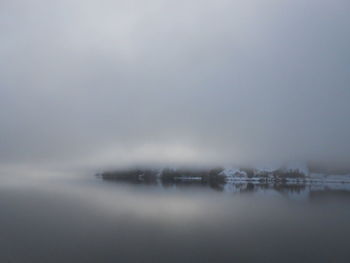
x=102, y=82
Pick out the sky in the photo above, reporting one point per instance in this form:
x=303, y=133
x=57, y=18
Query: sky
x=99, y=83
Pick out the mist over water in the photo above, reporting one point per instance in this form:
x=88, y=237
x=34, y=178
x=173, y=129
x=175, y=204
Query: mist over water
x=83, y=219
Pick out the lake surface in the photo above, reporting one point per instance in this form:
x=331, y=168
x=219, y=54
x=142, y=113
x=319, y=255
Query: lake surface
x=87, y=219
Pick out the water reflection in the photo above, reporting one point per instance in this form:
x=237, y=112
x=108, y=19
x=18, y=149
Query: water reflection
x=84, y=219
x=299, y=190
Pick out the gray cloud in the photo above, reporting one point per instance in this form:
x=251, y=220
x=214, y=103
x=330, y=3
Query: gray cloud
x=107, y=82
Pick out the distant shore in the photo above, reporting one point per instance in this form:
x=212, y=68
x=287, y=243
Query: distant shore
x=223, y=175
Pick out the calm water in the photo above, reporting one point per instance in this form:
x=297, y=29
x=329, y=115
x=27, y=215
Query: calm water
x=86, y=219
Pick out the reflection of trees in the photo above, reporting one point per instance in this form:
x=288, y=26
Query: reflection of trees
x=291, y=188
x=215, y=180
x=250, y=187
x=279, y=187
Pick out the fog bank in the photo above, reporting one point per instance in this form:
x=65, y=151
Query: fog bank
x=102, y=83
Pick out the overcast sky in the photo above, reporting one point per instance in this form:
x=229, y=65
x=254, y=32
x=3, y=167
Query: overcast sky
x=102, y=82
